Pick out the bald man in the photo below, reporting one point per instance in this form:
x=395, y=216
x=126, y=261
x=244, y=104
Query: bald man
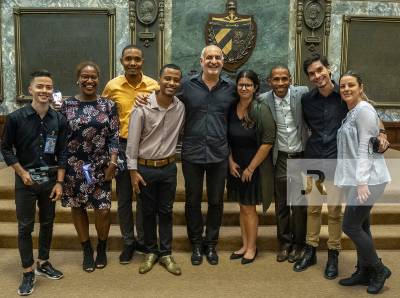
x=208, y=97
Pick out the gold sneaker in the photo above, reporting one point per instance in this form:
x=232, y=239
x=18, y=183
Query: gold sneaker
x=169, y=263
x=148, y=263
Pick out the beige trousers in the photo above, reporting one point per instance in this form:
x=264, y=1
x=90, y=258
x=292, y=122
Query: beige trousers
x=334, y=199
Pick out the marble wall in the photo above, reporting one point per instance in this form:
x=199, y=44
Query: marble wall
x=7, y=29
x=184, y=32
x=358, y=8
x=272, y=18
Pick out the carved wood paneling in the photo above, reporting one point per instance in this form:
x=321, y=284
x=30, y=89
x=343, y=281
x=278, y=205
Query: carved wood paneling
x=146, y=24
x=313, y=21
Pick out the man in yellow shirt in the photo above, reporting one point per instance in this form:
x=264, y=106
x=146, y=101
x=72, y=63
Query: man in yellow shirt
x=123, y=91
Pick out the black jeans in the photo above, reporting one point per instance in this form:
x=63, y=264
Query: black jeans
x=157, y=200
x=356, y=223
x=25, y=202
x=215, y=182
x=291, y=220
x=125, y=198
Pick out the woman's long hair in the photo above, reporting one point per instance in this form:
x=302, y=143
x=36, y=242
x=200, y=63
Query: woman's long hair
x=252, y=76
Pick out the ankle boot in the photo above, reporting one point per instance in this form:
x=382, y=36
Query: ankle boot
x=331, y=269
x=309, y=258
x=359, y=277
x=88, y=261
x=379, y=274
x=101, y=258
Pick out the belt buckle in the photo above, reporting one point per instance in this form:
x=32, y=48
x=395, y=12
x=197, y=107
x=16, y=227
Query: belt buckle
x=155, y=163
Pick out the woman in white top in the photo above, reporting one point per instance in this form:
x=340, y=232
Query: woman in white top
x=363, y=175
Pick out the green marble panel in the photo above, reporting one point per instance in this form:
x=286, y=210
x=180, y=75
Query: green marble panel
x=189, y=18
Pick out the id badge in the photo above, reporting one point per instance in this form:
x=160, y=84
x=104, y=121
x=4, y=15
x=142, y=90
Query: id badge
x=50, y=145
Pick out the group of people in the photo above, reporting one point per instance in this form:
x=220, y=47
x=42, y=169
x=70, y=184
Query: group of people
x=230, y=134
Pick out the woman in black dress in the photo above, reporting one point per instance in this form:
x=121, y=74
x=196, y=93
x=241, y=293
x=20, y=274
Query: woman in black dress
x=251, y=135
x=92, y=161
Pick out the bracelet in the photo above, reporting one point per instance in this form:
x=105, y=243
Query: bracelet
x=114, y=163
x=382, y=131
x=60, y=182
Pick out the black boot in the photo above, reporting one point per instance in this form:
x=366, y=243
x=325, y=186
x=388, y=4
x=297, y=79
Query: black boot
x=379, y=274
x=309, y=258
x=359, y=277
x=101, y=258
x=88, y=261
x=331, y=269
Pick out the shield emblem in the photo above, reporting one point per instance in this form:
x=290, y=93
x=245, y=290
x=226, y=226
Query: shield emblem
x=235, y=34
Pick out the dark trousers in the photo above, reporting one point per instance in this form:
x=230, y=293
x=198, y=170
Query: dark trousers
x=215, y=182
x=26, y=198
x=125, y=198
x=291, y=220
x=356, y=223
x=157, y=200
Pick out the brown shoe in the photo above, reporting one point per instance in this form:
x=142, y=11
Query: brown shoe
x=148, y=263
x=169, y=263
x=282, y=255
x=295, y=255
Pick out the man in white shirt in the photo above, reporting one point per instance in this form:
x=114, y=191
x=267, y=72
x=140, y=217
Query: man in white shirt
x=284, y=101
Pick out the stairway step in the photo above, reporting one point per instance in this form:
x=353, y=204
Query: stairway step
x=64, y=237
x=63, y=215
x=381, y=214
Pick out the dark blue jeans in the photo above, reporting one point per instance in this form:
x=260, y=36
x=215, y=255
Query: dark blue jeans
x=357, y=220
x=26, y=198
x=157, y=199
x=215, y=181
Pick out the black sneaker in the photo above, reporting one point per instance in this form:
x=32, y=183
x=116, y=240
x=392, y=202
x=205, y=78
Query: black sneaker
x=27, y=285
x=126, y=254
x=47, y=270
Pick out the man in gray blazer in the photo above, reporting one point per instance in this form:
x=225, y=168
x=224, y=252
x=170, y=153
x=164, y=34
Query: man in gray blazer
x=284, y=101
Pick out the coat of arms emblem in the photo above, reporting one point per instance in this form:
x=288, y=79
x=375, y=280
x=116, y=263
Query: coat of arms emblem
x=235, y=34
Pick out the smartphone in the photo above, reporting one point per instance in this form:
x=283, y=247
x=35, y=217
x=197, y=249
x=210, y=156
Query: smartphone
x=57, y=98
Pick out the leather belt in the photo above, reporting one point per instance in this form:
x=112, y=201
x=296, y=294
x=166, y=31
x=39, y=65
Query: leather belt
x=156, y=163
x=291, y=155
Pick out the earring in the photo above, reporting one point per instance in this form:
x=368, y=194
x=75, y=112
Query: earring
x=77, y=83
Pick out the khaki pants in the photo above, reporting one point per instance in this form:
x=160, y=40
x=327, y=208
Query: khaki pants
x=334, y=201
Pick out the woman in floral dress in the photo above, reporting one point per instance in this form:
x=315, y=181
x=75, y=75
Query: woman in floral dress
x=92, y=161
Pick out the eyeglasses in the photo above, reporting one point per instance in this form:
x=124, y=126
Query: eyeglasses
x=246, y=86
x=87, y=78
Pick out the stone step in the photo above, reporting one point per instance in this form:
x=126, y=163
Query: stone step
x=381, y=214
x=65, y=237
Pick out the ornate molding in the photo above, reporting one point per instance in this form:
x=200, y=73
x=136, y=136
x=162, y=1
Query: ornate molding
x=147, y=25
x=161, y=20
x=299, y=17
x=132, y=18
x=328, y=13
x=313, y=22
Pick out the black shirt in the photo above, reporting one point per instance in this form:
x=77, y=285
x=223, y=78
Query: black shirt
x=206, y=119
x=25, y=135
x=324, y=116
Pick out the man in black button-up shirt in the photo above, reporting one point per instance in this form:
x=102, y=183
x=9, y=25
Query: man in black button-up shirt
x=323, y=111
x=207, y=98
x=324, y=115
x=35, y=137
